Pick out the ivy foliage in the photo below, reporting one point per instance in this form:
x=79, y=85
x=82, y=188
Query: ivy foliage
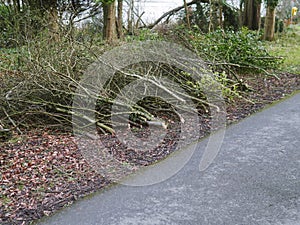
x=272, y=3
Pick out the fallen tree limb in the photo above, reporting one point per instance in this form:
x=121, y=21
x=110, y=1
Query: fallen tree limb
x=177, y=9
x=173, y=11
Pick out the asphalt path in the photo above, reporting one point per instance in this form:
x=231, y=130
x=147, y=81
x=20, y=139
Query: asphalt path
x=255, y=179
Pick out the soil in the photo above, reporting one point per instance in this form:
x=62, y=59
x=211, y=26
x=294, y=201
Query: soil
x=43, y=170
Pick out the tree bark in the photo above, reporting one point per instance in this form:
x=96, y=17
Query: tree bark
x=221, y=14
x=109, y=20
x=251, y=15
x=210, y=25
x=187, y=14
x=130, y=17
x=120, y=19
x=269, y=29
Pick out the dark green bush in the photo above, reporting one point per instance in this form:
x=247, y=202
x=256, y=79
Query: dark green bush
x=242, y=50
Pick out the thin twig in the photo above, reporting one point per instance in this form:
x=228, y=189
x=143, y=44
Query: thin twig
x=13, y=122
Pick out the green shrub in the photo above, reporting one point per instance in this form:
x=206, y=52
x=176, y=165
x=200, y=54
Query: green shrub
x=242, y=50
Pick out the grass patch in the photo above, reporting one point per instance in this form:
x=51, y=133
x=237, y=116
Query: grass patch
x=287, y=46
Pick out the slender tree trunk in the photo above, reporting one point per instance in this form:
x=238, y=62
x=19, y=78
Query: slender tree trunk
x=221, y=14
x=269, y=24
x=109, y=20
x=210, y=25
x=120, y=19
x=130, y=17
x=187, y=14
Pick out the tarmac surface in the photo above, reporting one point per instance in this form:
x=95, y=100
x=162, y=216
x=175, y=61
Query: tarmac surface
x=255, y=179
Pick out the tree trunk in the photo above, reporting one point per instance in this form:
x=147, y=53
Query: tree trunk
x=130, y=17
x=53, y=20
x=46, y=14
x=210, y=25
x=251, y=15
x=187, y=14
x=109, y=20
x=221, y=14
x=120, y=19
x=269, y=24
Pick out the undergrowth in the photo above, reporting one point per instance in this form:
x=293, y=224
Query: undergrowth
x=287, y=46
x=38, y=79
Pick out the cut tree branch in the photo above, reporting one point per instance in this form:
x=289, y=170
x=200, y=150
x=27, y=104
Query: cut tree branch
x=177, y=9
x=173, y=11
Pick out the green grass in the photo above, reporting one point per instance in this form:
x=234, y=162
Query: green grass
x=288, y=46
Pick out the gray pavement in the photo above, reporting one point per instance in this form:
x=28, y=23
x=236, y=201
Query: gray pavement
x=255, y=179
